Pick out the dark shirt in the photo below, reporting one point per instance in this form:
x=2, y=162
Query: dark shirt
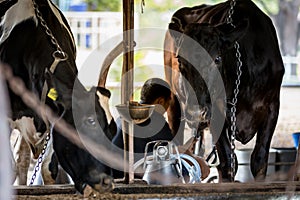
x=155, y=128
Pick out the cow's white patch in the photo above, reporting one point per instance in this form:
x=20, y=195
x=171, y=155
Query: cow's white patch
x=26, y=126
x=19, y=12
x=103, y=100
x=22, y=11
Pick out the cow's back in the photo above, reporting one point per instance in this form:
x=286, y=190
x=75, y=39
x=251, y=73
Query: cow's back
x=259, y=39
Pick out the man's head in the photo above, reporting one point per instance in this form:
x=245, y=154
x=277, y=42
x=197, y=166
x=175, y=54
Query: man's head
x=156, y=91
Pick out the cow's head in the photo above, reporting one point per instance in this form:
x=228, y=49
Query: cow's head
x=87, y=111
x=201, y=50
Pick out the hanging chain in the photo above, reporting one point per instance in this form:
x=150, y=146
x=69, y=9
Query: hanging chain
x=142, y=6
x=230, y=13
x=59, y=50
x=233, y=110
x=58, y=55
x=236, y=91
x=40, y=158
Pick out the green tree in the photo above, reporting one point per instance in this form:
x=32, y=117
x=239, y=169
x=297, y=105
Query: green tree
x=286, y=21
x=104, y=5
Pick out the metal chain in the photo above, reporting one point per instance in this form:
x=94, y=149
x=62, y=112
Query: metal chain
x=58, y=54
x=235, y=92
x=40, y=158
x=142, y=6
x=48, y=31
x=233, y=109
x=230, y=13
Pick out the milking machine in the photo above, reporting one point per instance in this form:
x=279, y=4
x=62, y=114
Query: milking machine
x=166, y=165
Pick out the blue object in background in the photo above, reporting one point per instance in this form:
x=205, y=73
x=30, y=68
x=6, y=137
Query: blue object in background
x=296, y=139
x=81, y=7
x=88, y=36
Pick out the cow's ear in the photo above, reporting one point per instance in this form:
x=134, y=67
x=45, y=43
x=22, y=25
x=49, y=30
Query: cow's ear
x=229, y=34
x=103, y=96
x=103, y=99
x=104, y=91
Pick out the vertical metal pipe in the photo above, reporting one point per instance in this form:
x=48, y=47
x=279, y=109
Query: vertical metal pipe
x=5, y=159
x=127, y=83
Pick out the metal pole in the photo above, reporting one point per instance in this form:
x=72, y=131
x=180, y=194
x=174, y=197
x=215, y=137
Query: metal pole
x=6, y=168
x=127, y=83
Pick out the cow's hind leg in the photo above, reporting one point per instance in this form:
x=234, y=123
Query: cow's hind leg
x=260, y=154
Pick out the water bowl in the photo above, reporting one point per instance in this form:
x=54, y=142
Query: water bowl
x=135, y=112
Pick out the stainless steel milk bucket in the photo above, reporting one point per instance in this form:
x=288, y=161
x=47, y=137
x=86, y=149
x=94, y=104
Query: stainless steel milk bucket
x=164, y=167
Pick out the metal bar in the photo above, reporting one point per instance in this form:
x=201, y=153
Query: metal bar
x=127, y=82
x=112, y=55
x=5, y=159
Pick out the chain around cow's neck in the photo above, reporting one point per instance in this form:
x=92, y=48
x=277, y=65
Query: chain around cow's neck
x=230, y=13
x=58, y=55
x=41, y=157
x=235, y=92
x=48, y=31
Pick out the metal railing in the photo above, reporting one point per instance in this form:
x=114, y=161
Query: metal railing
x=90, y=29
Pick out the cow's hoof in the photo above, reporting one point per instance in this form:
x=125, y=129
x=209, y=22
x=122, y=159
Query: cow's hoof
x=106, y=183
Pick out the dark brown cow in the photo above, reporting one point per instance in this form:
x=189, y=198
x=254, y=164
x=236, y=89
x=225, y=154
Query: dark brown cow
x=200, y=49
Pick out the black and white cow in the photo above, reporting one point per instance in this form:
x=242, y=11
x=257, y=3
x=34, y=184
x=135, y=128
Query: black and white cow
x=33, y=35
x=200, y=48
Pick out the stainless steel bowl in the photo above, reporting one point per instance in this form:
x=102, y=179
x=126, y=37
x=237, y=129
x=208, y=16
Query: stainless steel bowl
x=135, y=112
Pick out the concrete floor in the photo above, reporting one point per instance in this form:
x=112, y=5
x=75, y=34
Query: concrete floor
x=259, y=190
x=289, y=117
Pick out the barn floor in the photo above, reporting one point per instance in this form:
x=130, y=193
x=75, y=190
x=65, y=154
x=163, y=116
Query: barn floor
x=213, y=191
